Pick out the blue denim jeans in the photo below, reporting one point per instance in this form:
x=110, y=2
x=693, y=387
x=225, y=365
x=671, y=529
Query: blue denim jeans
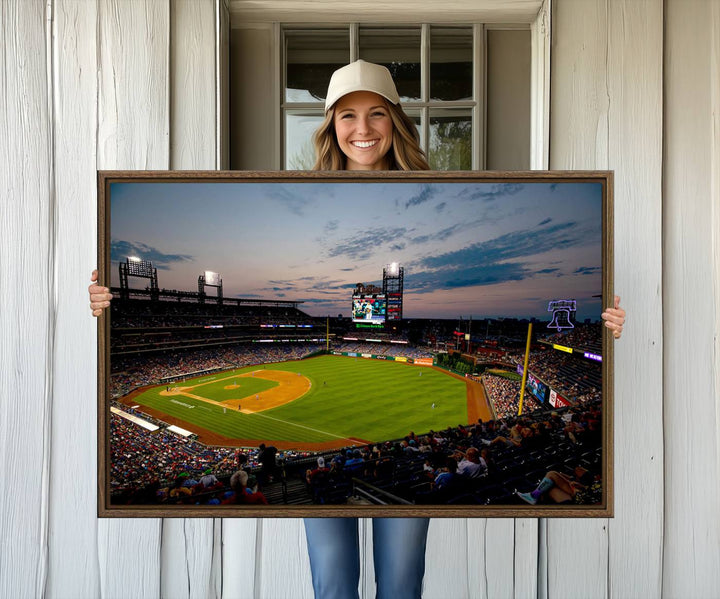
x=398, y=552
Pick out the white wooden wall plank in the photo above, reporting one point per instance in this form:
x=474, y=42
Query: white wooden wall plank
x=635, y=48
x=616, y=123
x=73, y=562
x=526, y=549
x=477, y=566
x=239, y=557
x=187, y=555
x=577, y=550
x=282, y=565
x=26, y=310
x=715, y=204
x=499, y=557
x=222, y=64
x=189, y=566
x=193, y=85
x=133, y=129
x=692, y=396
x=447, y=563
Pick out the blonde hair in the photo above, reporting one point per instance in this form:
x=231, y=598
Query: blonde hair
x=404, y=155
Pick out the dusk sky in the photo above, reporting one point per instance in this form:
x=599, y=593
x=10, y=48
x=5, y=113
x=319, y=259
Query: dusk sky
x=468, y=248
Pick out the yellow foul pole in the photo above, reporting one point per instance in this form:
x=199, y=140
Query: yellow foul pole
x=525, y=369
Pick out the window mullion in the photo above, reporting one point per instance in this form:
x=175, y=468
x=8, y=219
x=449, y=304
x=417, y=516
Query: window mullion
x=425, y=86
x=479, y=111
x=354, y=41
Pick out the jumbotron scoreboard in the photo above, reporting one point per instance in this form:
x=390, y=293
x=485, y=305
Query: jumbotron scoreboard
x=369, y=309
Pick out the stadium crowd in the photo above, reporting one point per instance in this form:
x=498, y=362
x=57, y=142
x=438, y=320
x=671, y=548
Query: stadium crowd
x=134, y=314
x=385, y=349
x=575, y=378
x=141, y=458
x=504, y=394
x=586, y=337
x=131, y=372
x=485, y=462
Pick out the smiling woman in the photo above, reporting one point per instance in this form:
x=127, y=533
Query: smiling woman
x=364, y=131
x=363, y=106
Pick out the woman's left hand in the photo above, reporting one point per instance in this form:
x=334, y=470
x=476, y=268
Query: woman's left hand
x=615, y=318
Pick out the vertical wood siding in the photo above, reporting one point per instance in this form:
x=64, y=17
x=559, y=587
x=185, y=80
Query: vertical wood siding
x=73, y=557
x=577, y=550
x=133, y=132
x=119, y=84
x=27, y=317
x=692, y=365
x=607, y=113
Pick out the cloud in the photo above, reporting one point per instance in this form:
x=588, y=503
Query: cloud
x=397, y=247
x=331, y=225
x=544, y=222
x=362, y=245
x=443, y=234
x=487, y=274
x=309, y=285
x=506, y=258
x=495, y=192
x=546, y=271
x=587, y=270
x=120, y=249
x=294, y=202
x=426, y=192
x=517, y=244
x=440, y=207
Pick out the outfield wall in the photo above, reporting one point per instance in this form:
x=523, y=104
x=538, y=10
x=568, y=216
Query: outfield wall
x=416, y=361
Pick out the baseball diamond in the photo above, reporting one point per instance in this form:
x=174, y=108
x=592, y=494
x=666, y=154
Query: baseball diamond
x=316, y=403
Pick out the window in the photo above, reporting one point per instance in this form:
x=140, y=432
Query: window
x=435, y=71
x=466, y=86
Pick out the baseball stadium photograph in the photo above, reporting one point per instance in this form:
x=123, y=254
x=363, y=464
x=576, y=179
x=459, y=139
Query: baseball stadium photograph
x=305, y=343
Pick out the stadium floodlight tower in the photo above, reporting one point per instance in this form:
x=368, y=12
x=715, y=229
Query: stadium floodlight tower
x=562, y=311
x=393, y=277
x=210, y=279
x=143, y=269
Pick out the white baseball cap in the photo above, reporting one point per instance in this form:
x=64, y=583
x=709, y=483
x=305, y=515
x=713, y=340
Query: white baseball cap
x=361, y=76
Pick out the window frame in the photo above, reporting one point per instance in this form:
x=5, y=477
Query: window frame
x=476, y=106
x=537, y=17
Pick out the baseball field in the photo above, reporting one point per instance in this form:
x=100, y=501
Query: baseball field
x=316, y=403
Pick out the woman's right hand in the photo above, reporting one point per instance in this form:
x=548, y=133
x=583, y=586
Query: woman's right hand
x=99, y=296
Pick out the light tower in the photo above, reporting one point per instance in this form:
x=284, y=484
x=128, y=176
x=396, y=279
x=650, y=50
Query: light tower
x=393, y=277
x=210, y=279
x=143, y=269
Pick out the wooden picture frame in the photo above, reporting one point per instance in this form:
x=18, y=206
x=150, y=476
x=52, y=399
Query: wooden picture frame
x=345, y=310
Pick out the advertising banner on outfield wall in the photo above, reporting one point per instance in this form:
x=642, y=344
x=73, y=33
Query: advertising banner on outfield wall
x=400, y=359
x=423, y=361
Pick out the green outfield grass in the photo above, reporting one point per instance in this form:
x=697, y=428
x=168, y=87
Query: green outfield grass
x=350, y=397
